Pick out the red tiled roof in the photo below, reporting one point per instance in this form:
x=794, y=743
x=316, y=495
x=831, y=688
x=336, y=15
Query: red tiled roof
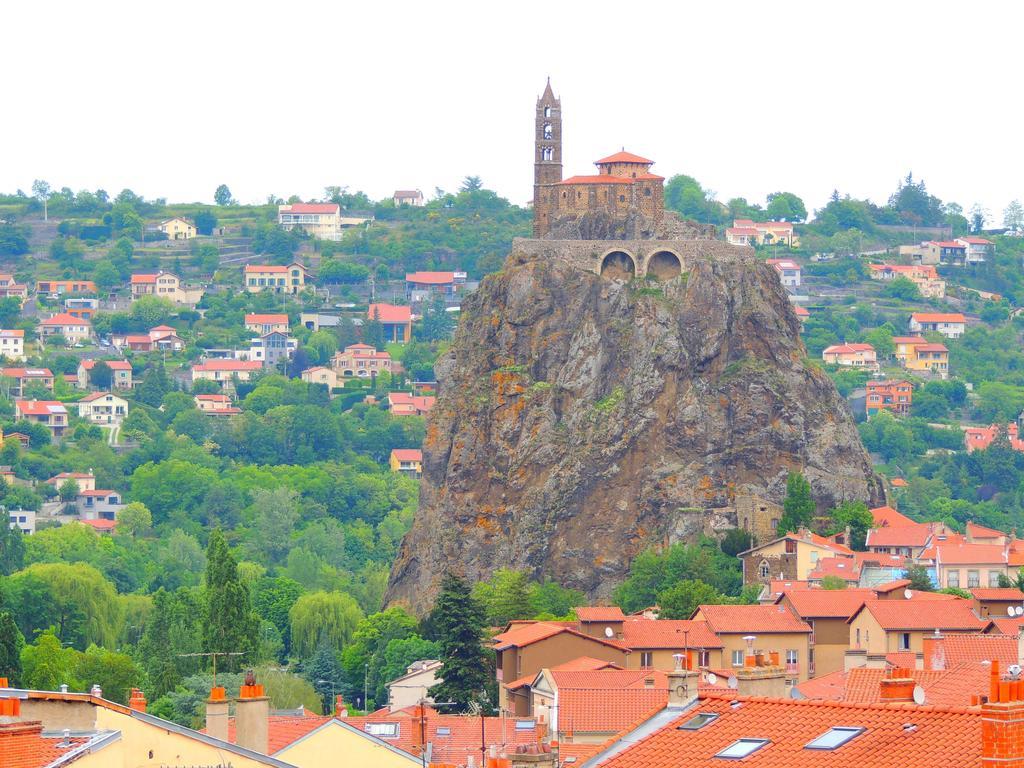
x=214, y=398
x=624, y=157
x=608, y=700
x=27, y=373
x=389, y=313
x=40, y=407
x=271, y=319
x=407, y=454
x=114, y=365
x=975, y=240
x=1007, y=626
x=830, y=687
x=430, y=278
x=959, y=553
x=96, y=396
x=898, y=482
x=940, y=738
x=846, y=349
x=63, y=318
x=600, y=613
x=282, y=730
x=846, y=568
x=639, y=633
x=923, y=614
x=22, y=745
x=931, y=347
x=750, y=619
x=311, y=208
x=585, y=664
x=938, y=317
x=801, y=311
x=913, y=535
x=521, y=635
x=901, y=659
x=101, y=524
x=228, y=365
x=143, y=278
x=265, y=268
x=997, y=593
x=12, y=333
x=981, y=532
x=420, y=403
x=963, y=649
x=826, y=603
x=889, y=516
x=864, y=684
x=891, y=586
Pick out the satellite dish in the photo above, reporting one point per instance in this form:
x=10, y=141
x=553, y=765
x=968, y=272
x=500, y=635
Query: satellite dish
x=1011, y=611
x=733, y=682
x=918, y=695
x=1020, y=610
x=609, y=632
x=712, y=678
x=907, y=594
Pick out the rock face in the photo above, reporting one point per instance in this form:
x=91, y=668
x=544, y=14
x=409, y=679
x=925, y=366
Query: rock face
x=581, y=420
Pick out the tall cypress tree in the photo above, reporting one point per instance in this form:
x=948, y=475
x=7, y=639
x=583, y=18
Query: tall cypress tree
x=11, y=643
x=231, y=625
x=12, y=548
x=157, y=649
x=458, y=621
x=798, y=506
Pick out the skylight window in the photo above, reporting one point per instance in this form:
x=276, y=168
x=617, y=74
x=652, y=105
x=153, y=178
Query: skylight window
x=525, y=725
x=444, y=731
x=742, y=748
x=834, y=738
x=698, y=721
x=383, y=730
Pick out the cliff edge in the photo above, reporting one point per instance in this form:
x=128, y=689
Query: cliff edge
x=582, y=419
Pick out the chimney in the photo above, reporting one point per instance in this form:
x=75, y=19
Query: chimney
x=18, y=740
x=340, y=710
x=1002, y=723
x=217, y=714
x=682, y=684
x=764, y=677
x=137, y=700
x=252, y=714
x=934, y=651
x=897, y=685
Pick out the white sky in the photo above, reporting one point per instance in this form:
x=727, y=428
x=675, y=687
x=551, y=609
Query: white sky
x=172, y=99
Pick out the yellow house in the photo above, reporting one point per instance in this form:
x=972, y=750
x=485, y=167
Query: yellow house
x=929, y=357
x=322, y=748
x=271, y=277
x=761, y=629
x=408, y=461
x=178, y=229
x=881, y=627
x=321, y=375
x=791, y=557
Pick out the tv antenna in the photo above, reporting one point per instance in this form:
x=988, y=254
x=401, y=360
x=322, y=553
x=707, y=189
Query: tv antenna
x=213, y=655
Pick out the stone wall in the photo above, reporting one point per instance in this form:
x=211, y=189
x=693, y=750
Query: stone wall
x=654, y=258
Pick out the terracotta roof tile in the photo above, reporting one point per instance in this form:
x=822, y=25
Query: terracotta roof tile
x=624, y=157
x=997, y=593
x=923, y=614
x=913, y=535
x=826, y=603
x=961, y=649
x=390, y=313
x=639, y=633
x=600, y=613
x=753, y=619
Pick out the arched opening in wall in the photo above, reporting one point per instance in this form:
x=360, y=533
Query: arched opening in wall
x=547, y=111
x=664, y=265
x=618, y=265
x=547, y=130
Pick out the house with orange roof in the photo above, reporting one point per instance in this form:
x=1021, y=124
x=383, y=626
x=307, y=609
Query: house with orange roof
x=980, y=534
x=826, y=612
x=164, y=285
x=980, y=438
x=319, y=220
x=12, y=289
x=845, y=568
x=949, y=324
x=361, y=361
x=120, y=373
x=976, y=249
x=421, y=286
x=20, y=378
x=223, y=371
x=948, y=651
x=52, y=414
x=904, y=540
x=773, y=628
x=788, y=270
x=952, y=685
x=749, y=232
x=924, y=276
x=407, y=461
x=57, y=288
x=73, y=329
x=104, y=408
x=12, y=344
x=274, y=278
x=880, y=627
x=793, y=556
x=893, y=396
x=414, y=686
x=916, y=353
x=404, y=404
x=888, y=516
x=969, y=566
x=395, y=319
x=853, y=355
x=525, y=649
x=216, y=405
x=997, y=601
x=904, y=346
x=86, y=481
x=263, y=323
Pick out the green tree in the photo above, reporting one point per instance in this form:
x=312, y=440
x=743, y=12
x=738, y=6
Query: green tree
x=856, y=516
x=920, y=581
x=11, y=644
x=134, y=519
x=833, y=582
x=101, y=376
x=155, y=385
x=68, y=490
x=115, y=673
x=458, y=621
x=150, y=311
x=437, y=323
x=318, y=617
x=736, y=540
x=222, y=195
x=106, y=276
x=205, y=221
x=13, y=240
x=373, y=331
x=1013, y=216
x=681, y=600
x=504, y=597
x=684, y=195
x=785, y=206
x=12, y=548
x=902, y=288
x=231, y=626
x=275, y=513
x=798, y=506
x=46, y=664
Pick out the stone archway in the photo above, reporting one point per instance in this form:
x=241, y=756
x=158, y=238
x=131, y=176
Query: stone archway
x=618, y=265
x=664, y=265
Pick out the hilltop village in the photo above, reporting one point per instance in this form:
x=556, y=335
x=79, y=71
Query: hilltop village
x=235, y=470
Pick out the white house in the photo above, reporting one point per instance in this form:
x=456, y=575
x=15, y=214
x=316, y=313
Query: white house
x=103, y=408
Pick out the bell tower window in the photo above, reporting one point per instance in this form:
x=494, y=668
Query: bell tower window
x=547, y=130
x=547, y=111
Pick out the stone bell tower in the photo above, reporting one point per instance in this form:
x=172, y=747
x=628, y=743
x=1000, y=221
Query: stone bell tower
x=547, y=159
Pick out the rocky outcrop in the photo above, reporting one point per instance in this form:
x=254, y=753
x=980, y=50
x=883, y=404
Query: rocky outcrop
x=601, y=225
x=581, y=420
